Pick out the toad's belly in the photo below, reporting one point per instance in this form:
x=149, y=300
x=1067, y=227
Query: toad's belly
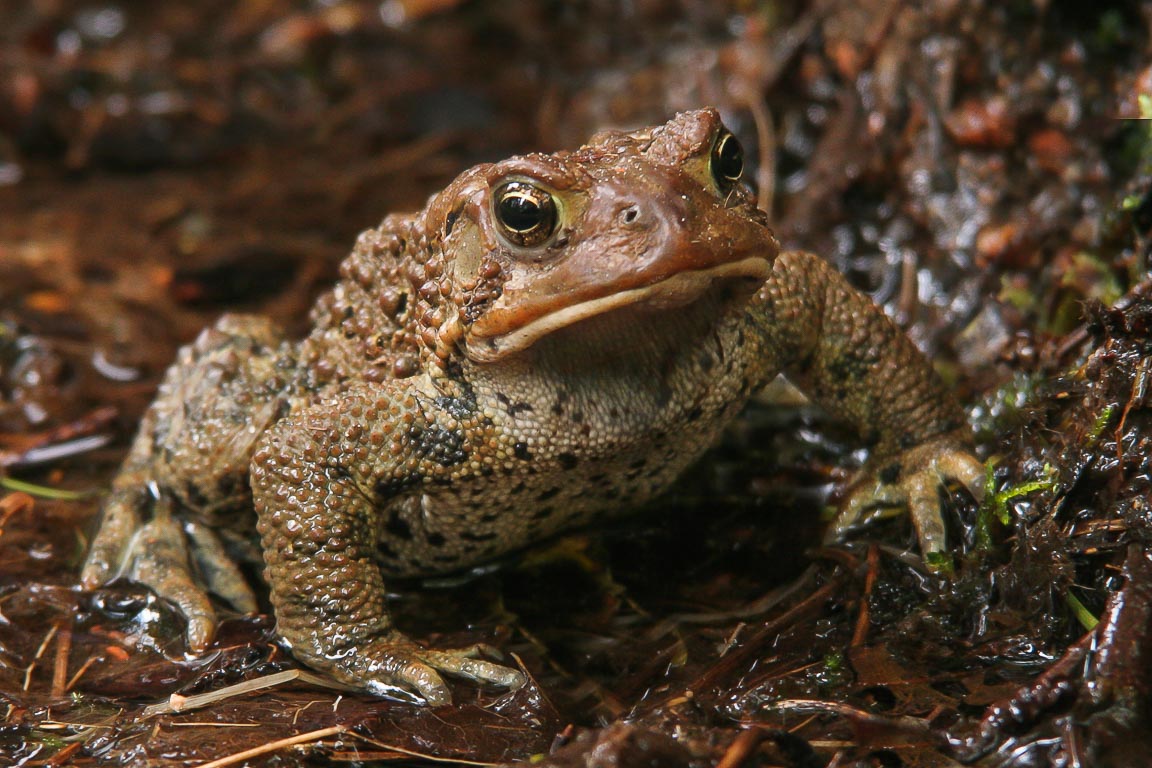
x=436, y=529
x=569, y=440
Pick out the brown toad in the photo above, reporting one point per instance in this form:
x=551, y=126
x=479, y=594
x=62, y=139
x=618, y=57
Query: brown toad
x=552, y=337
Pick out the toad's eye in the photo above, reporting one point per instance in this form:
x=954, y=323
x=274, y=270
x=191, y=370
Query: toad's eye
x=526, y=213
x=727, y=160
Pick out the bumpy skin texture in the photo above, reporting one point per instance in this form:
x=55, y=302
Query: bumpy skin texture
x=501, y=366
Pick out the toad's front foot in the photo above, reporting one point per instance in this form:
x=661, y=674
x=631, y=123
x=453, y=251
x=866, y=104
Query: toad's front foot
x=393, y=666
x=914, y=479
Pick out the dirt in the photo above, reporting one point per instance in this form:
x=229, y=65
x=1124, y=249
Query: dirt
x=982, y=169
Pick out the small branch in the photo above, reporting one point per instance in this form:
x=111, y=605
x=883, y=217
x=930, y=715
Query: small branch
x=742, y=748
x=272, y=746
x=864, y=617
x=60, y=667
x=178, y=703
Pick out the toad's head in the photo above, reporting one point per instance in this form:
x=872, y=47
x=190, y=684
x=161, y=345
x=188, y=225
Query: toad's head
x=645, y=222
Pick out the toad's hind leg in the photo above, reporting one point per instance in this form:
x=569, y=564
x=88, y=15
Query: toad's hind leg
x=191, y=454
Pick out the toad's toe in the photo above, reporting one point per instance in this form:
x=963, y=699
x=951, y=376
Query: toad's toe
x=395, y=667
x=914, y=479
x=160, y=561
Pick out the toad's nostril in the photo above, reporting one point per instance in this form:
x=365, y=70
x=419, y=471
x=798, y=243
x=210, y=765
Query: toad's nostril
x=631, y=214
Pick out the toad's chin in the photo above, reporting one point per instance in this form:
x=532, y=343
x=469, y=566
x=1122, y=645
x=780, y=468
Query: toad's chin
x=732, y=282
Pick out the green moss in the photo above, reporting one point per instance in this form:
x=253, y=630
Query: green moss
x=831, y=676
x=1101, y=423
x=940, y=562
x=1020, y=296
x=995, y=505
x=1112, y=31
x=1144, y=100
x=1096, y=276
x=1001, y=409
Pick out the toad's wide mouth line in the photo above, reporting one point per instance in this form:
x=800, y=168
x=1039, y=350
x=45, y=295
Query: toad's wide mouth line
x=671, y=292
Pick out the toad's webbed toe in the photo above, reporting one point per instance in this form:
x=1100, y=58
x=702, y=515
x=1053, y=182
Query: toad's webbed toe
x=180, y=562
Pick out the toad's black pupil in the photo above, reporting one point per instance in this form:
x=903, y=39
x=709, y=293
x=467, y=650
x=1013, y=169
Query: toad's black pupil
x=728, y=159
x=520, y=212
x=526, y=214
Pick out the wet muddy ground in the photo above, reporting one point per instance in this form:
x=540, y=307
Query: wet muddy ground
x=982, y=169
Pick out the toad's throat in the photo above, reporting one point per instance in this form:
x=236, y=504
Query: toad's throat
x=673, y=292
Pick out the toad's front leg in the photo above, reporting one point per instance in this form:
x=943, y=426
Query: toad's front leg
x=853, y=360
x=319, y=480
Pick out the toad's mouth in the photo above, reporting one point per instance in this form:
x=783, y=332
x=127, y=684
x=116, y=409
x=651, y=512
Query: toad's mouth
x=743, y=277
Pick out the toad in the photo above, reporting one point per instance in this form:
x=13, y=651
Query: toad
x=554, y=338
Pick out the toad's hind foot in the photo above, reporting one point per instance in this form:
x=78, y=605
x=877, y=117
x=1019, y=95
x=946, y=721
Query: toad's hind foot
x=919, y=474
x=157, y=554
